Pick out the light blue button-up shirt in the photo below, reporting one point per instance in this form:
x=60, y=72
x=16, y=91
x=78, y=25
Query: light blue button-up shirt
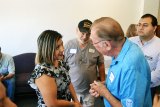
x=129, y=77
x=7, y=64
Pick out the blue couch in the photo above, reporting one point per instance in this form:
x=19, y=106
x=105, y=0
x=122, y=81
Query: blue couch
x=24, y=65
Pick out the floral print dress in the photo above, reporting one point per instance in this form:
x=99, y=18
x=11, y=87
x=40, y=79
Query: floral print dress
x=61, y=76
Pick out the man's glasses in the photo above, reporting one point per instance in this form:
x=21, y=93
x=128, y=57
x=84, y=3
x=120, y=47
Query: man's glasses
x=98, y=42
x=119, y=39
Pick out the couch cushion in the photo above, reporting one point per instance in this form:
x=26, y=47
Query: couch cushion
x=24, y=65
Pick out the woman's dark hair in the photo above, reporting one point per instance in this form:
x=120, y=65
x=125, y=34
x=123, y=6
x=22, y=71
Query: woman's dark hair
x=46, y=46
x=154, y=19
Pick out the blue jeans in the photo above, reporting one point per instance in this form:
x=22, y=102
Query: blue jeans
x=10, y=87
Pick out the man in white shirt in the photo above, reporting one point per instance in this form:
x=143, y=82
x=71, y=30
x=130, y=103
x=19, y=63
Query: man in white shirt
x=149, y=43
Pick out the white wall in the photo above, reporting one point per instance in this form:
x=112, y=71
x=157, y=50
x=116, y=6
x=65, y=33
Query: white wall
x=151, y=7
x=21, y=21
x=159, y=13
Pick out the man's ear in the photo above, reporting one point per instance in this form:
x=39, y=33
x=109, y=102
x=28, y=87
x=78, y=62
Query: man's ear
x=107, y=45
x=155, y=29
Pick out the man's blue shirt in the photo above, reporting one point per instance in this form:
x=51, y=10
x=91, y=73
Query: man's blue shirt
x=129, y=77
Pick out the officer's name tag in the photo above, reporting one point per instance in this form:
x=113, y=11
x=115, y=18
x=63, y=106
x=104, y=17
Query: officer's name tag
x=111, y=77
x=73, y=51
x=91, y=50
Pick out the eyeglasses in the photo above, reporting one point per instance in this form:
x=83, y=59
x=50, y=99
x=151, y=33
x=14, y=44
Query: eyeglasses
x=98, y=42
x=107, y=40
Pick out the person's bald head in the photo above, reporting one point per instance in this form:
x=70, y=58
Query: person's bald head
x=108, y=29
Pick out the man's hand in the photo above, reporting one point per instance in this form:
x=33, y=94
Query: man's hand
x=94, y=93
x=97, y=89
x=1, y=77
